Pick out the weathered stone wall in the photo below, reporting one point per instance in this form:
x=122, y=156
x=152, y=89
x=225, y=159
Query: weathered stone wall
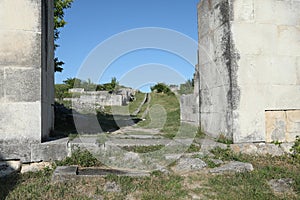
x=189, y=109
x=26, y=73
x=249, y=63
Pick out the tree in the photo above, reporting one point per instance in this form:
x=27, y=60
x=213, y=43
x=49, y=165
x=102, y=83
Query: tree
x=161, y=88
x=73, y=82
x=59, y=22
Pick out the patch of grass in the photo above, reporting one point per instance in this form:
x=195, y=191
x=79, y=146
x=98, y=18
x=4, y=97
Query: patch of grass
x=252, y=185
x=227, y=155
x=143, y=149
x=223, y=139
x=168, y=124
x=157, y=186
x=296, y=149
x=193, y=148
x=72, y=136
x=80, y=157
x=200, y=134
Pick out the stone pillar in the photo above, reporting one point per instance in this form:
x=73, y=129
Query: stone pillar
x=26, y=75
x=249, y=60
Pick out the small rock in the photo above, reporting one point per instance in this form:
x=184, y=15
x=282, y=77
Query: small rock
x=162, y=169
x=189, y=164
x=286, y=147
x=281, y=185
x=112, y=187
x=9, y=167
x=216, y=161
x=207, y=145
x=233, y=167
x=247, y=148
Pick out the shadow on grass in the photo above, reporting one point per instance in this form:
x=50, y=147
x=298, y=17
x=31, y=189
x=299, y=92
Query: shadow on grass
x=9, y=182
x=88, y=123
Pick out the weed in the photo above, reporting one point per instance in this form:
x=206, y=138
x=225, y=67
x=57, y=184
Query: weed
x=227, y=154
x=223, y=139
x=80, y=157
x=296, y=149
x=193, y=148
x=200, y=134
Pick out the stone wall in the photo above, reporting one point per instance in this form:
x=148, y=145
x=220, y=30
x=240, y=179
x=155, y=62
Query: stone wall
x=249, y=64
x=91, y=100
x=189, y=109
x=26, y=74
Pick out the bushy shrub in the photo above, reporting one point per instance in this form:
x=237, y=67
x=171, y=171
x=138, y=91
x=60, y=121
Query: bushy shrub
x=161, y=88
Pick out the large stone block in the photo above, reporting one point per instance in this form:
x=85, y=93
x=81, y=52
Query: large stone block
x=20, y=15
x=20, y=48
x=288, y=40
x=15, y=152
x=262, y=40
x=22, y=84
x=49, y=151
x=20, y=122
x=282, y=126
x=244, y=10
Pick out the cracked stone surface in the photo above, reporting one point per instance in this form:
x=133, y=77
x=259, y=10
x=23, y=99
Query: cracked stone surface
x=234, y=166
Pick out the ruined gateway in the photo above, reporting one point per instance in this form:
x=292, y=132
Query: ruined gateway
x=247, y=79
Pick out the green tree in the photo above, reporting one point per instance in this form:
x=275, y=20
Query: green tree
x=59, y=22
x=73, y=83
x=161, y=88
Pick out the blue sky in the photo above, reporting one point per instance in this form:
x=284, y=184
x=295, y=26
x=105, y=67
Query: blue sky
x=98, y=28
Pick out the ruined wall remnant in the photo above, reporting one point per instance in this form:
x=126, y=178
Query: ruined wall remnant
x=249, y=64
x=26, y=75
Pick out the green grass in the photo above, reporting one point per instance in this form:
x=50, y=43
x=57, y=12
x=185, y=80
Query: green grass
x=81, y=158
x=164, y=114
x=248, y=185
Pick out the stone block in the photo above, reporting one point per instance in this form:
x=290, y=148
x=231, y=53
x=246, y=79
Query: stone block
x=64, y=173
x=20, y=48
x=233, y=167
x=49, y=151
x=15, y=152
x=20, y=122
x=251, y=71
x=262, y=40
x=288, y=40
x=189, y=164
x=287, y=12
x=20, y=15
x=264, y=11
x=22, y=84
x=244, y=10
x=206, y=50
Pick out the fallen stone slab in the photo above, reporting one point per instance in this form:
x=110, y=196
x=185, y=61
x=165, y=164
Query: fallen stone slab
x=35, y=167
x=9, y=167
x=66, y=173
x=189, y=164
x=63, y=173
x=234, y=167
x=259, y=149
